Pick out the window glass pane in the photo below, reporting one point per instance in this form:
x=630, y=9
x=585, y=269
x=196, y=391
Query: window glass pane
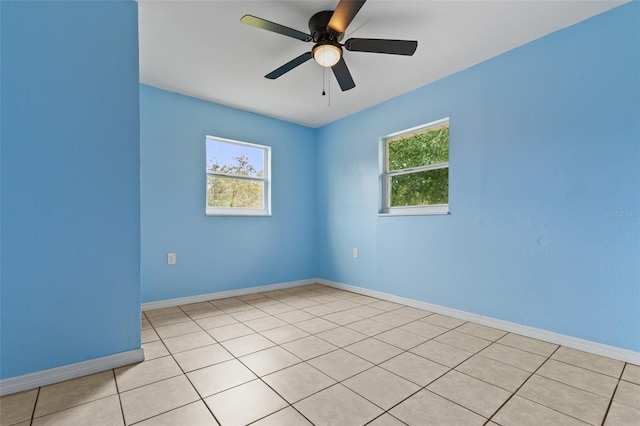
x=234, y=159
x=425, y=147
x=420, y=188
x=239, y=193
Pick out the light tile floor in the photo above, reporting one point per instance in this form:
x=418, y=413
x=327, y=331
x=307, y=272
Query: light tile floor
x=323, y=356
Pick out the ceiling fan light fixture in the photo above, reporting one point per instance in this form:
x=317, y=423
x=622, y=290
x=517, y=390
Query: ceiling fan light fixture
x=327, y=54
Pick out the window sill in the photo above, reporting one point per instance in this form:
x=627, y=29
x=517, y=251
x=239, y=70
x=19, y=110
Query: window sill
x=238, y=212
x=442, y=209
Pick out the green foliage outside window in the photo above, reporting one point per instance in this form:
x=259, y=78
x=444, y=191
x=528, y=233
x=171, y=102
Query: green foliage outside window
x=234, y=192
x=421, y=187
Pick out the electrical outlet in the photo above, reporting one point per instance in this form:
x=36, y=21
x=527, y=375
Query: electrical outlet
x=171, y=258
x=356, y=253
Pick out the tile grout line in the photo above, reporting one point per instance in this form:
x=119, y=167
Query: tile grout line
x=35, y=404
x=113, y=372
x=523, y=383
x=606, y=413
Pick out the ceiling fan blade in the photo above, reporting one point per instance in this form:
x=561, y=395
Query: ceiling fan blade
x=263, y=24
x=343, y=75
x=376, y=45
x=343, y=15
x=289, y=66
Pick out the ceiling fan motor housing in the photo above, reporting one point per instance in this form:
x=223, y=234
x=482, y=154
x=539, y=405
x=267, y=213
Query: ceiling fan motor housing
x=318, y=27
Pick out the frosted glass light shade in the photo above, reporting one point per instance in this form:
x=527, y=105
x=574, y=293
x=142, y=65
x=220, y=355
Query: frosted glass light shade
x=327, y=55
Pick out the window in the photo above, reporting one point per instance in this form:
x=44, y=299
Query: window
x=238, y=178
x=415, y=170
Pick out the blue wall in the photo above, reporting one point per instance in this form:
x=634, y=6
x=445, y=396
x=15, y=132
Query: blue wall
x=70, y=280
x=220, y=253
x=544, y=148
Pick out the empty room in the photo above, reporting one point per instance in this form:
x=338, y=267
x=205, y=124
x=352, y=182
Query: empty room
x=319, y=212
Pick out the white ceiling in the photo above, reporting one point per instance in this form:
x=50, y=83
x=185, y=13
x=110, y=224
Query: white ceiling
x=200, y=49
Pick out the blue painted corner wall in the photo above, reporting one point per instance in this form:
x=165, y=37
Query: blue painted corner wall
x=220, y=253
x=70, y=242
x=544, y=228
x=101, y=177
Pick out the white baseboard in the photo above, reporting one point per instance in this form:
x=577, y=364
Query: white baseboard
x=71, y=371
x=535, y=333
x=222, y=294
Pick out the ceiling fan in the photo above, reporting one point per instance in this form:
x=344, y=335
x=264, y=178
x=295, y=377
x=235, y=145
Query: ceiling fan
x=327, y=30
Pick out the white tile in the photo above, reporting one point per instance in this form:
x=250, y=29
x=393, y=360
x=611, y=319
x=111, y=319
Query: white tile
x=246, y=344
x=169, y=319
x=622, y=415
x=316, y=325
x=589, y=361
x=441, y=353
x=298, y=382
x=154, y=350
x=463, y=341
x=522, y=412
x=514, y=357
x=481, y=331
x=74, y=392
x=284, y=334
x=469, y=392
x=341, y=336
x=285, y=417
x=219, y=377
x=309, y=347
x=17, y=407
x=229, y=331
x=244, y=404
x=381, y=387
x=337, y=405
x=588, y=380
x=269, y=360
x=157, y=398
x=188, y=341
x=528, y=344
x=194, y=414
x=178, y=329
x=202, y=357
x=494, y=372
x=628, y=394
x=386, y=420
x=401, y=339
x=427, y=408
x=340, y=364
x=373, y=350
x=414, y=368
x=631, y=374
x=146, y=372
x=566, y=399
x=443, y=321
x=101, y=412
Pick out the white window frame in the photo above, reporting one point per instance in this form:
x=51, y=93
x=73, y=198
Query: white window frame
x=266, y=179
x=385, y=176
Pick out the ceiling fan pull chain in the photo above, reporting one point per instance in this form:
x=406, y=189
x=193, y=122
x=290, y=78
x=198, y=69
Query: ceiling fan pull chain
x=323, y=78
x=329, y=84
